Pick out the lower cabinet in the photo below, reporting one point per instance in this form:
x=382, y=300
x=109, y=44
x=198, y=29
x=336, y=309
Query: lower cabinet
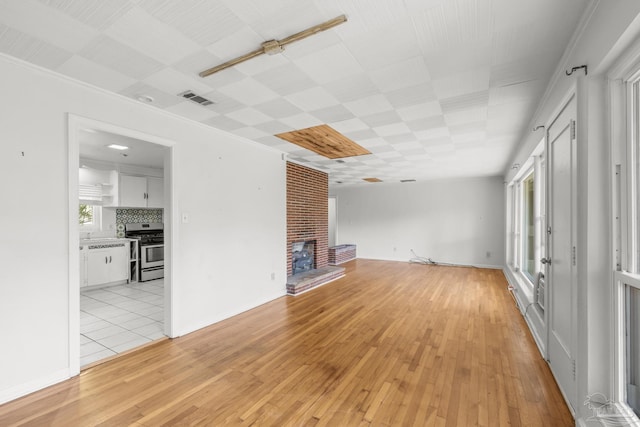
x=107, y=263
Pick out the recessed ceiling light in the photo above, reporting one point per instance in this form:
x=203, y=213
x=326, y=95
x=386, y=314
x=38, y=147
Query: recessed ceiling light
x=117, y=147
x=145, y=98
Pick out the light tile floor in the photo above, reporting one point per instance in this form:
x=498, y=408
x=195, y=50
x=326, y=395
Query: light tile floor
x=119, y=318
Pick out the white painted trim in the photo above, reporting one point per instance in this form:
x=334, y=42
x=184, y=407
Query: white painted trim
x=33, y=386
x=73, y=359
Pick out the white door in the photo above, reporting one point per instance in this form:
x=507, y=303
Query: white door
x=561, y=256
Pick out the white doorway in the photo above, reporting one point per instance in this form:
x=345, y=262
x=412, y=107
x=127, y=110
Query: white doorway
x=333, y=219
x=78, y=126
x=561, y=246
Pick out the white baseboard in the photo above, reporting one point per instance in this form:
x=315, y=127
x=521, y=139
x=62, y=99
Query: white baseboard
x=32, y=386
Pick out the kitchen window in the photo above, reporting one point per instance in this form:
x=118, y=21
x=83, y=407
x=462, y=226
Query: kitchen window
x=89, y=217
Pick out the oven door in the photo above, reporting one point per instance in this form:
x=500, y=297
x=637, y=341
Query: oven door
x=151, y=256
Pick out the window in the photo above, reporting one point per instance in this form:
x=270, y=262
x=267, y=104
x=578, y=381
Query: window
x=89, y=217
x=528, y=227
x=626, y=240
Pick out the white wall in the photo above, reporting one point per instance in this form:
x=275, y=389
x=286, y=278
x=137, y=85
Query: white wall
x=233, y=191
x=454, y=221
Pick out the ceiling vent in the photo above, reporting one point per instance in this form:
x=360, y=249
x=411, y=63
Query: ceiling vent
x=196, y=98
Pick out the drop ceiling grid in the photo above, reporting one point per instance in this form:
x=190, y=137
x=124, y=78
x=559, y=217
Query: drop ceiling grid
x=421, y=83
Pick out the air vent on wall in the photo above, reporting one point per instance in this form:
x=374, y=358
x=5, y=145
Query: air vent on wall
x=196, y=98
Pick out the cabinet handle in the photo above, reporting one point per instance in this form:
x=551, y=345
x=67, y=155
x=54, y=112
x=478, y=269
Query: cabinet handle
x=106, y=260
x=109, y=259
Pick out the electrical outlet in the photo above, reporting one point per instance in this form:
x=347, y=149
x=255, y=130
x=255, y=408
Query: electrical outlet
x=488, y=254
x=273, y=276
x=185, y=218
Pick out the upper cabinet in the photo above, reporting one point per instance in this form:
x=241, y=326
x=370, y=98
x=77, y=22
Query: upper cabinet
x=141, y=191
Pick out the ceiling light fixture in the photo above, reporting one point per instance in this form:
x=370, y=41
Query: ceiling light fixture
x=117, y=147
x=145, y=98
x=272, y=47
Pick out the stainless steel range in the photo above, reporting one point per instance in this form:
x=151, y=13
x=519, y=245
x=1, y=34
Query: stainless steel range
x=150, y=238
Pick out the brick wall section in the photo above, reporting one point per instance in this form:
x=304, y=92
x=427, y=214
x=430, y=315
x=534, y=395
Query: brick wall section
x=307, y=211
x=341, y=254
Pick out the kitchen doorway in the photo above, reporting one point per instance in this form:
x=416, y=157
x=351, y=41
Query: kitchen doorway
x=126, y=315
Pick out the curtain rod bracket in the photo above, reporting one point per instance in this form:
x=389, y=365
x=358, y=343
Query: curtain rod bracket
x=568, y=73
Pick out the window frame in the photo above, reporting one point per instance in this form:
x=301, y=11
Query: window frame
x=96, y=224
x=625, y=188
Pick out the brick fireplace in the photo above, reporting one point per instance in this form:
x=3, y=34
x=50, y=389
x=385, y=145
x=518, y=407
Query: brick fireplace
x=308, y=222
x=308, y=212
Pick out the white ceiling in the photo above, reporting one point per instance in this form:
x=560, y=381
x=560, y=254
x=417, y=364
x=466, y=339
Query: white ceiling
x=432, y=88
x=94, y=145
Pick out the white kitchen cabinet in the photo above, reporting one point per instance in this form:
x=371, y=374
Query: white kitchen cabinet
x=141, y=191
x=107, y=263
x=155, y=192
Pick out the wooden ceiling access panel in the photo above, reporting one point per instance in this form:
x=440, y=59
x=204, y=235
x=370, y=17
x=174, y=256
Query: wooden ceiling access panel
x=325, y=141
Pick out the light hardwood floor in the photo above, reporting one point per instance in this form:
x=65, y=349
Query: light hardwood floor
x=391, y=344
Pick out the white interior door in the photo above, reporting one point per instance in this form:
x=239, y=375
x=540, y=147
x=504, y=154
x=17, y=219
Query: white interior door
x=561, y=266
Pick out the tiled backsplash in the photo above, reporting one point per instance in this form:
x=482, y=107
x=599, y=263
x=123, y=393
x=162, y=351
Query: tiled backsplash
x=135, y=216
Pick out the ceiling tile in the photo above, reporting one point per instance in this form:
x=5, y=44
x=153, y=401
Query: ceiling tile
x=223, y=104
x=203, y=21
x=420, y=111
x=94, y=13
x=464, y=102
x=274, y=127
x=113, y=54
x=302, y=121
x=278, y=108
x=379, y=49
x=153, y=38
x=46, y=23
x=336, y=113
x=192, y=111
x=393, y=129
x=249, y=92
x=95, y=74
x=462, y=83
x=369, y=105
x=411, y=95
x=330, y=64
x=426, y=123
x=250, y=132
x=359, y=135
x=28, y=48
x=399, y=138
x=236, y=44
x=381, y=119
x=413, y=72
x=249, y=116
x=311, y=45
x=349, y=125
x=352, y=87
x=312, y=99
x=285, y=79
x=224, y=123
